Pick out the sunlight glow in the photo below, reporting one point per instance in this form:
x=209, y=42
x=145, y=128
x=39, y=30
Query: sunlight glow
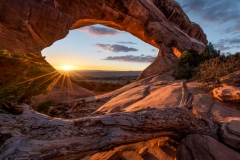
x=67, y=67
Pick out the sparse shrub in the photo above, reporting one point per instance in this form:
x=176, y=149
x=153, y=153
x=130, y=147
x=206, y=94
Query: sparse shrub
x=190, y=60
x=23, y=76
x=215, y=68
x=185, y=66
x=210, y=52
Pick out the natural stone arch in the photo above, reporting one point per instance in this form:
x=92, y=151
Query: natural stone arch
x=32, y=25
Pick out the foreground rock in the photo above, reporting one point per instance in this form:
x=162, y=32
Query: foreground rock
x=204, y=148
x=224, y=112
x=42, y=137
x=227, y=93
x=230, y=133
x=146, y=94
x=35, y=25
x=131, y=151
x=232, y=79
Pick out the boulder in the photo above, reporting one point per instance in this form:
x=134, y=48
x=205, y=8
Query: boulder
x=223, y=113
x=202, y=147
x=227, y=93
x=31, y=26
x=230, y=133
x=234, y=127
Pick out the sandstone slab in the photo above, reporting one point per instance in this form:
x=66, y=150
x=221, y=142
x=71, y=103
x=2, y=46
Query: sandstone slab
x=204, y=148
x=222, y=113
x=234, y=127
x=227, y=93
x=230, y=133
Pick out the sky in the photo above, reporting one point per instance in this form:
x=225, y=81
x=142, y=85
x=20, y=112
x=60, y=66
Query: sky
x=101, y=48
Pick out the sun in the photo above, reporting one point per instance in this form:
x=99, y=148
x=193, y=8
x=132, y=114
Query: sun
x=67, y=68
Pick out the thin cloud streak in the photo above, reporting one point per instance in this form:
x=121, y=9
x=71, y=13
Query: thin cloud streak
x=127, y=42
x=132, y=58
x=99, y=31
x=115, y=48
x=227, y=44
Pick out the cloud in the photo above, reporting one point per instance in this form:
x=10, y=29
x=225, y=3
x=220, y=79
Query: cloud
x=217, y=12
x=238, y=47
x=221, y=47
x=115, y=48
x=132, y=58
x=127, y=42
x=99, y=31
x=153, y=50
x=227, y=44
x=228, y=41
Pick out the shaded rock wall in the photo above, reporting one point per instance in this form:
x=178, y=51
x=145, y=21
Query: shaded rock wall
x=204, y=147
x=32, y=25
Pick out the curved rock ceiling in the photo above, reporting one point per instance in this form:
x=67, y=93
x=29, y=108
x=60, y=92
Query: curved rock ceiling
x=32, y=25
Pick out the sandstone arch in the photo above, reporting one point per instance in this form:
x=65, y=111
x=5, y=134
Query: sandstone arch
x=32, y=25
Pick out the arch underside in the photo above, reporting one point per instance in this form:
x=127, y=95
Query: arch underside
x=37, y=24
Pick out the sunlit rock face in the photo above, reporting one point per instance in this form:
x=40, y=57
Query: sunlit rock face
x=32, y=25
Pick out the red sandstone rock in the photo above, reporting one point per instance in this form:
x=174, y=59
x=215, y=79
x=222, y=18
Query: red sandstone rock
x=143, y=151
x=204, y=148
x=30, y=26
x=227, y=93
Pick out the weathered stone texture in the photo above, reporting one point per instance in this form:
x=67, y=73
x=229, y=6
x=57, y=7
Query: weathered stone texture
x=32, y=25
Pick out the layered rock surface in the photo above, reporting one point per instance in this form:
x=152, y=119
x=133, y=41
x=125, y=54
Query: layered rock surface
x=203, y=147
x=230, y=133
x=31, y=26
x=36, y=135
x=135, y=151
x=230, y=90
x=227, y=93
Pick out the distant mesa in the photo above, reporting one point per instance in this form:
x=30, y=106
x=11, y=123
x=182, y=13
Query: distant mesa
x=162, y=23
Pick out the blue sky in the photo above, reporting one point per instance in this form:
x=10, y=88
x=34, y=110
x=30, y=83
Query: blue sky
x=101, y=48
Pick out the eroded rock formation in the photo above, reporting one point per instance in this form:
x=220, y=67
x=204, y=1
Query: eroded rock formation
x=203, y=147
x=30, y=26
x=37, y=136
x=230, y=133
x=227, y=93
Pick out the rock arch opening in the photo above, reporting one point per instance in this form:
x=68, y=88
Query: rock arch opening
x=98, y=47
x=37, y=24
x=31, y=26
x=101, y=59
